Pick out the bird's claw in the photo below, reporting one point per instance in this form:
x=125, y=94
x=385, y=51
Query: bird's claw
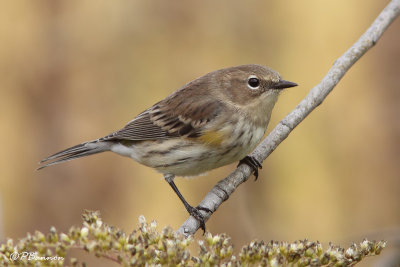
x=195, y=212
x=252, y=163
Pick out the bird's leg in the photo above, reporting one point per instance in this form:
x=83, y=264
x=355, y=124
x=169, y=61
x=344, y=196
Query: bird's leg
x=252, y=163
x=193, y=211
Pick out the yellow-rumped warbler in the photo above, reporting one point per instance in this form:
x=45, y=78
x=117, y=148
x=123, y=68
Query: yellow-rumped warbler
x=210, y=122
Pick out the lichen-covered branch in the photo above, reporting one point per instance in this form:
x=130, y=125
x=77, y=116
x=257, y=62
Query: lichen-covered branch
x=146, y=246
x=315, y=97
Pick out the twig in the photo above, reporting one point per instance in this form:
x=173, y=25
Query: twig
x=224, y=188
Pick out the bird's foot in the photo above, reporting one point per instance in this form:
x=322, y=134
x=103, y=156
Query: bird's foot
x=195, y=212
x=252, y=163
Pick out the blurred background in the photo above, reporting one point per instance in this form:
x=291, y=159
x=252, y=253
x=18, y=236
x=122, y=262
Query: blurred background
x=72, y=71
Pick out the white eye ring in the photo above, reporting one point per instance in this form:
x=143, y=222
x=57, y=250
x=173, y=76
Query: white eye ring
x=253, y=82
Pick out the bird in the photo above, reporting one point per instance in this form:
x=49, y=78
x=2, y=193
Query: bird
x=212, y=121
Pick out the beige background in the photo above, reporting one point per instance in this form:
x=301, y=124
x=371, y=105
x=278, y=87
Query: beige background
x=72, y=71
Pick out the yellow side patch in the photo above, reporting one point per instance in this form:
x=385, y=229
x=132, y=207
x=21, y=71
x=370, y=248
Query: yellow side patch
x=212, y=138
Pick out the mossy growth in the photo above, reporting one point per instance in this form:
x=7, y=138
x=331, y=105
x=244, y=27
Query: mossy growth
x=146, y=246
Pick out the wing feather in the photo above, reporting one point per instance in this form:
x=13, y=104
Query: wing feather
x=139, y=129
x=177, y=115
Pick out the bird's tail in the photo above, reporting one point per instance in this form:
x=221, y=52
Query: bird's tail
x=78, y=151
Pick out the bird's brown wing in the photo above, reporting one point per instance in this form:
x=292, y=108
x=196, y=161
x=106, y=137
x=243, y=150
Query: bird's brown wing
x=174, y=116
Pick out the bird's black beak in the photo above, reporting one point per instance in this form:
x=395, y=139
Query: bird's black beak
x=282, y=84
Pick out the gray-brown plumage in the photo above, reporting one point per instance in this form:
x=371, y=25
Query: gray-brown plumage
x=210, y=122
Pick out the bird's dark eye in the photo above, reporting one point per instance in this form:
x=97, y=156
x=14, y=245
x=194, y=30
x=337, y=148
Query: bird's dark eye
x=253, y=82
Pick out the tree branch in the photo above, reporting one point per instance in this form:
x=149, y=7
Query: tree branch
x=224, y=188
